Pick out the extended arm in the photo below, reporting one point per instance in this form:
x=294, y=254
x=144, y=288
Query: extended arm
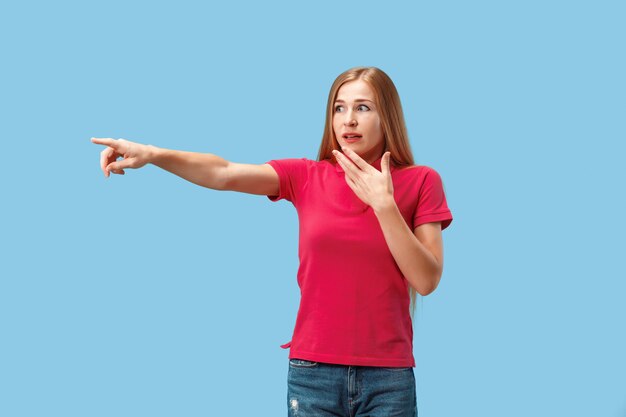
x=204, y=169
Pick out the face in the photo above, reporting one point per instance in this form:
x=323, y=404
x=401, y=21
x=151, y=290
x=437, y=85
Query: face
x=356, y=121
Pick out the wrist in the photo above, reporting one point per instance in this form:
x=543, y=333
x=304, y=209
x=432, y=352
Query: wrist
x=386, y=205
x=154, y=154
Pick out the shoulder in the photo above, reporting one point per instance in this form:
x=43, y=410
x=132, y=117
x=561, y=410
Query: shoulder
x=300, y=168
x=417, y=169
x=417, y=173
x=419, y=179
x=295, y=161
x=308, y=163
x=289, y=163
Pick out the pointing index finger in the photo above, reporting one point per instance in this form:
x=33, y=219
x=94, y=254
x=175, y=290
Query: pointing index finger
x=104, y=141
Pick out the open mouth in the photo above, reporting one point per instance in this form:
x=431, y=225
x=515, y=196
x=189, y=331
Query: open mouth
x=351, y=137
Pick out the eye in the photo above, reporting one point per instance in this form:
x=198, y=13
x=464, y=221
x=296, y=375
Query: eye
x=337, y=108
x=363, y=105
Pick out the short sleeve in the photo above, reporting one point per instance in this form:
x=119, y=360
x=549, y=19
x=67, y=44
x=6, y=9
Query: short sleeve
x=431, y=202
x=292, y=175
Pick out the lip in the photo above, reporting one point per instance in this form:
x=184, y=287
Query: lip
x=350, y=140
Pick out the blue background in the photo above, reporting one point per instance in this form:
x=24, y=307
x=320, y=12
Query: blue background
x=145, y=295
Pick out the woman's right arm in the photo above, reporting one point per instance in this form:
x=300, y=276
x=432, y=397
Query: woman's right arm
x=204, y=169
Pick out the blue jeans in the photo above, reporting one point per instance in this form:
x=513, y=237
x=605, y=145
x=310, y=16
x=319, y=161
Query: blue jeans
x=323, y=389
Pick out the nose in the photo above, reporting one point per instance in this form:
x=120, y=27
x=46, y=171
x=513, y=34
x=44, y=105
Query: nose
x=350, y=120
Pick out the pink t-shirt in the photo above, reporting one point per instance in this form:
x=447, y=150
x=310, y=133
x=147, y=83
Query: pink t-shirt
x=354, y=304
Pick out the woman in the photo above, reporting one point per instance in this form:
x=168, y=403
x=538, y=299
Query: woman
x=370, y=239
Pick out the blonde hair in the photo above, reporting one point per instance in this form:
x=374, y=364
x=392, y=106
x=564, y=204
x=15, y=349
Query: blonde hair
x=391, y=120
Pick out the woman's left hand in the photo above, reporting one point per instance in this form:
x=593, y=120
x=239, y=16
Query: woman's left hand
x=372, y=186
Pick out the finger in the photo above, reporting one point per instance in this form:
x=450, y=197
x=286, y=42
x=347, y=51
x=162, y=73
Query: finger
x=356, y=159
x=385, y=164
x=350, y=182
x=342, y=163
x=348, y=166
x=105, y=141
x=121, y=164
x=103, y=159
x=349, y=178
x=106, y=156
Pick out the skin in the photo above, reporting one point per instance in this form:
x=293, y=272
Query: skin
x=355, y=110
x=204, y=169
x=418, y=253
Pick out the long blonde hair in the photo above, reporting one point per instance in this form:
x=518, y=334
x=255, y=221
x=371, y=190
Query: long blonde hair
x=391, y=119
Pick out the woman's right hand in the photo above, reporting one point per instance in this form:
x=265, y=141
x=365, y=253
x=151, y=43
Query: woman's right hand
x=135, y=155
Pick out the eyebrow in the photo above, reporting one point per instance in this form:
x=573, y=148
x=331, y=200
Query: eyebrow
x=357, y=100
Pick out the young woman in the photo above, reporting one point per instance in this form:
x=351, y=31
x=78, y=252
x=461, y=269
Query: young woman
x=370, y=239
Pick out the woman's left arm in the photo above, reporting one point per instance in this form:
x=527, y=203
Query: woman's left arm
x=419, y=255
